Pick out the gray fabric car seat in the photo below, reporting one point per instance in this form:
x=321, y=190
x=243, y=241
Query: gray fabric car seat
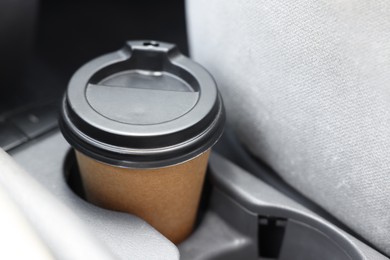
x=306, y=85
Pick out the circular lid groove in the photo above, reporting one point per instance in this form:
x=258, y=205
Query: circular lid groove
x=142, y=106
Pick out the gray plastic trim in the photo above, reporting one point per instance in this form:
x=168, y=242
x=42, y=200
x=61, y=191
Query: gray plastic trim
x=60, y=233
x=228, y=230
x=239, y=198
x=128, y=236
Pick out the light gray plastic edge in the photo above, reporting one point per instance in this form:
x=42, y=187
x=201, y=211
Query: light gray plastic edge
x=127, y=236
x=228, y=230
x=57, y=229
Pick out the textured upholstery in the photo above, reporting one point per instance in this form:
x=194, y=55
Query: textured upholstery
x=307, y=87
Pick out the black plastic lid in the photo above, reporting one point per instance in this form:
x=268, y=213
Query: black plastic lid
x=144, y=106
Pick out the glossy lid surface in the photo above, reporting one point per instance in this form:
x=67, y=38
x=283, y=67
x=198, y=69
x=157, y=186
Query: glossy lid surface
x=145, y=105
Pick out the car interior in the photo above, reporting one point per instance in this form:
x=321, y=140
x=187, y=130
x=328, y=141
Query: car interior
x=301, y=170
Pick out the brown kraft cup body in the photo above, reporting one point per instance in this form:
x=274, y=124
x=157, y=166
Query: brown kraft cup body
x=142, y=121
x=167, y=198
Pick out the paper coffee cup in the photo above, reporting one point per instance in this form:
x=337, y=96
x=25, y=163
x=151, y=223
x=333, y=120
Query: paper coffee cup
x=167, y=198
x=142, y=121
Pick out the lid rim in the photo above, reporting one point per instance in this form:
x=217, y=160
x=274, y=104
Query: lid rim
x=139, y=160
x=136, y=145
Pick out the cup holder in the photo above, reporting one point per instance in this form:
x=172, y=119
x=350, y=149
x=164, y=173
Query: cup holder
x=248, y=219
x=72, y=175
x=273, y=231
x=74, y=182
x=240, y=216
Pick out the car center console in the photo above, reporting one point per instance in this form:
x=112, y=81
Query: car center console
x=240, y=215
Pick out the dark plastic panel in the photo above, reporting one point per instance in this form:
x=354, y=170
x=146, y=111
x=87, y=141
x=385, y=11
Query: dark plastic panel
x=10, y=136
x=37, y=121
